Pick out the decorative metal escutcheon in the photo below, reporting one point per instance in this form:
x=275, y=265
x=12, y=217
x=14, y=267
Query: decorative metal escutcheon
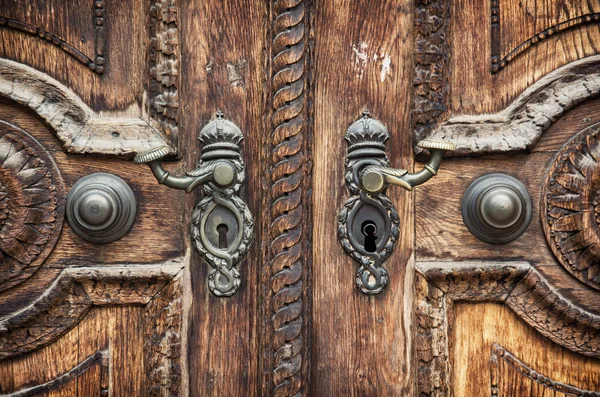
x=222, y=226
x=368, y=224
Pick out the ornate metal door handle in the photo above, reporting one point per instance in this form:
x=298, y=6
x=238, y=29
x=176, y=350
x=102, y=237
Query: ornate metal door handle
x=222, y=226
x=369, y=225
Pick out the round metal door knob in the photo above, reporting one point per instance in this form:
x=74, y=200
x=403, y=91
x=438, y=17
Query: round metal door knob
x=101, y=208
x=496, y=208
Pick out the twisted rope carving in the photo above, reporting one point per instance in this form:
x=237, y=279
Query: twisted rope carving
x=287, y=212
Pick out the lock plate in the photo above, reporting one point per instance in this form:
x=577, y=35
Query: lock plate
x=368, y=224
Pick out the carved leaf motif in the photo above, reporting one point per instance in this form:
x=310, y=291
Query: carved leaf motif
x=571, y=206
x=31, y=206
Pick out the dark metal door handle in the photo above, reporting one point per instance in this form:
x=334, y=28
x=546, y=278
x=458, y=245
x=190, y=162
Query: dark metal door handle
x=222, y=226
x=368, y=224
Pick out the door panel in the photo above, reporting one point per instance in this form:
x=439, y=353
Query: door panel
x=362, y=60
x=490, y=345
x=89, y=85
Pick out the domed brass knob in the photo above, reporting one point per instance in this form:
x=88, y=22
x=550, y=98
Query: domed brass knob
x=101, y=208
x=496, y=208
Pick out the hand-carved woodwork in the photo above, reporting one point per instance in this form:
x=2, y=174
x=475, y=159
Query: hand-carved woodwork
x=164, y=67
x=516, y=284
x=570, y=206
x=520, y=125
x=79, y=128
x=101, y=357
x=32, y=205
x=96, y=64
x=163, y=342
x=288, y=254
x=502, y=360
x=432, y=56
x=498, y=62
x=72, y=295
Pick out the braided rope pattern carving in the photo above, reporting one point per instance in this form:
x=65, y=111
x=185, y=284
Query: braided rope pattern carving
x=287, y=212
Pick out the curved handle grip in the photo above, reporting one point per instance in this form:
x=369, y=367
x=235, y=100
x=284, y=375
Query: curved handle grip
x=368, y=223
x=222, y=226
x=373, y=178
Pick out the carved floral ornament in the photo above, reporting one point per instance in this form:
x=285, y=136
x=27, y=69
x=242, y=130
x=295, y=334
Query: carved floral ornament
x=570, y=207
x=31, y=205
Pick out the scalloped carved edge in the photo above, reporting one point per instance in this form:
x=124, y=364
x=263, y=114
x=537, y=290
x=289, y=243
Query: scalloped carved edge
x=516, y=284
x=520, y=126
x=79, y=128
x=73, y=294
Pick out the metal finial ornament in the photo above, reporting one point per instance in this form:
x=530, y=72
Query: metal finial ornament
x=368, y=224
x=222, y=226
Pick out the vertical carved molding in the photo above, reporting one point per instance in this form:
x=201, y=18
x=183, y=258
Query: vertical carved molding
x=164, y=67
x=432, y=59
x=163, y=344
x=288, y=253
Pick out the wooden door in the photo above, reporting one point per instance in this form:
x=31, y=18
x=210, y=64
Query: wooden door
x=85, y=86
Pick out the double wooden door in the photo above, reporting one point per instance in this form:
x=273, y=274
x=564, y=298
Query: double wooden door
x=85, y=86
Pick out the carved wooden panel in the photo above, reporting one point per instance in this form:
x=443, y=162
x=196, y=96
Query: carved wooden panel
x=84, y=42
x=32, y=205
x=570, y=206
x=478, y=333
x=512, y=377
x=531, y=22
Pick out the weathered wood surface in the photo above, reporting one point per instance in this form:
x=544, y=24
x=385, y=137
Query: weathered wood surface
x=224, y=44
x=517, y=27
x=521, y=125
x=72, y=295
x=79, y=128
x=442, y=285
x=285, y=333
x=103, y=328
x=363, y=54
x=477, y=327
x=474, y=88
x=441, y=233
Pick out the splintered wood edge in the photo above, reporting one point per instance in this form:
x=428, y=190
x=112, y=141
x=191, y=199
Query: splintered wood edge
x=516, y=284
x=79, y=128
x=520, y=126
x=73, y=294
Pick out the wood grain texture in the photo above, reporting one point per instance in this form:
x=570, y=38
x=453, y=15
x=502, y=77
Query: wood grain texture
x=102, y=327
x=531, y=22
x=72, y=295
x=478, y=326
x=432, y=62
x=78, y=127
x=441, y=285
x=224, y=47
x=440, y=230
x=513, y=377
x=361, y=345
x=164, y=352
x=520, y=126
x=120, y=89
x=32, y=205
x=474, y=89
x=157, y=208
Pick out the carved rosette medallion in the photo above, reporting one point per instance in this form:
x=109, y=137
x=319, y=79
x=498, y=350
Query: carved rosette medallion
x=31, y=205
x=570, y=206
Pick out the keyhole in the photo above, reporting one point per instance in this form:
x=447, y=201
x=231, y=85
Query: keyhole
x=222, y=230
x=369, y=230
